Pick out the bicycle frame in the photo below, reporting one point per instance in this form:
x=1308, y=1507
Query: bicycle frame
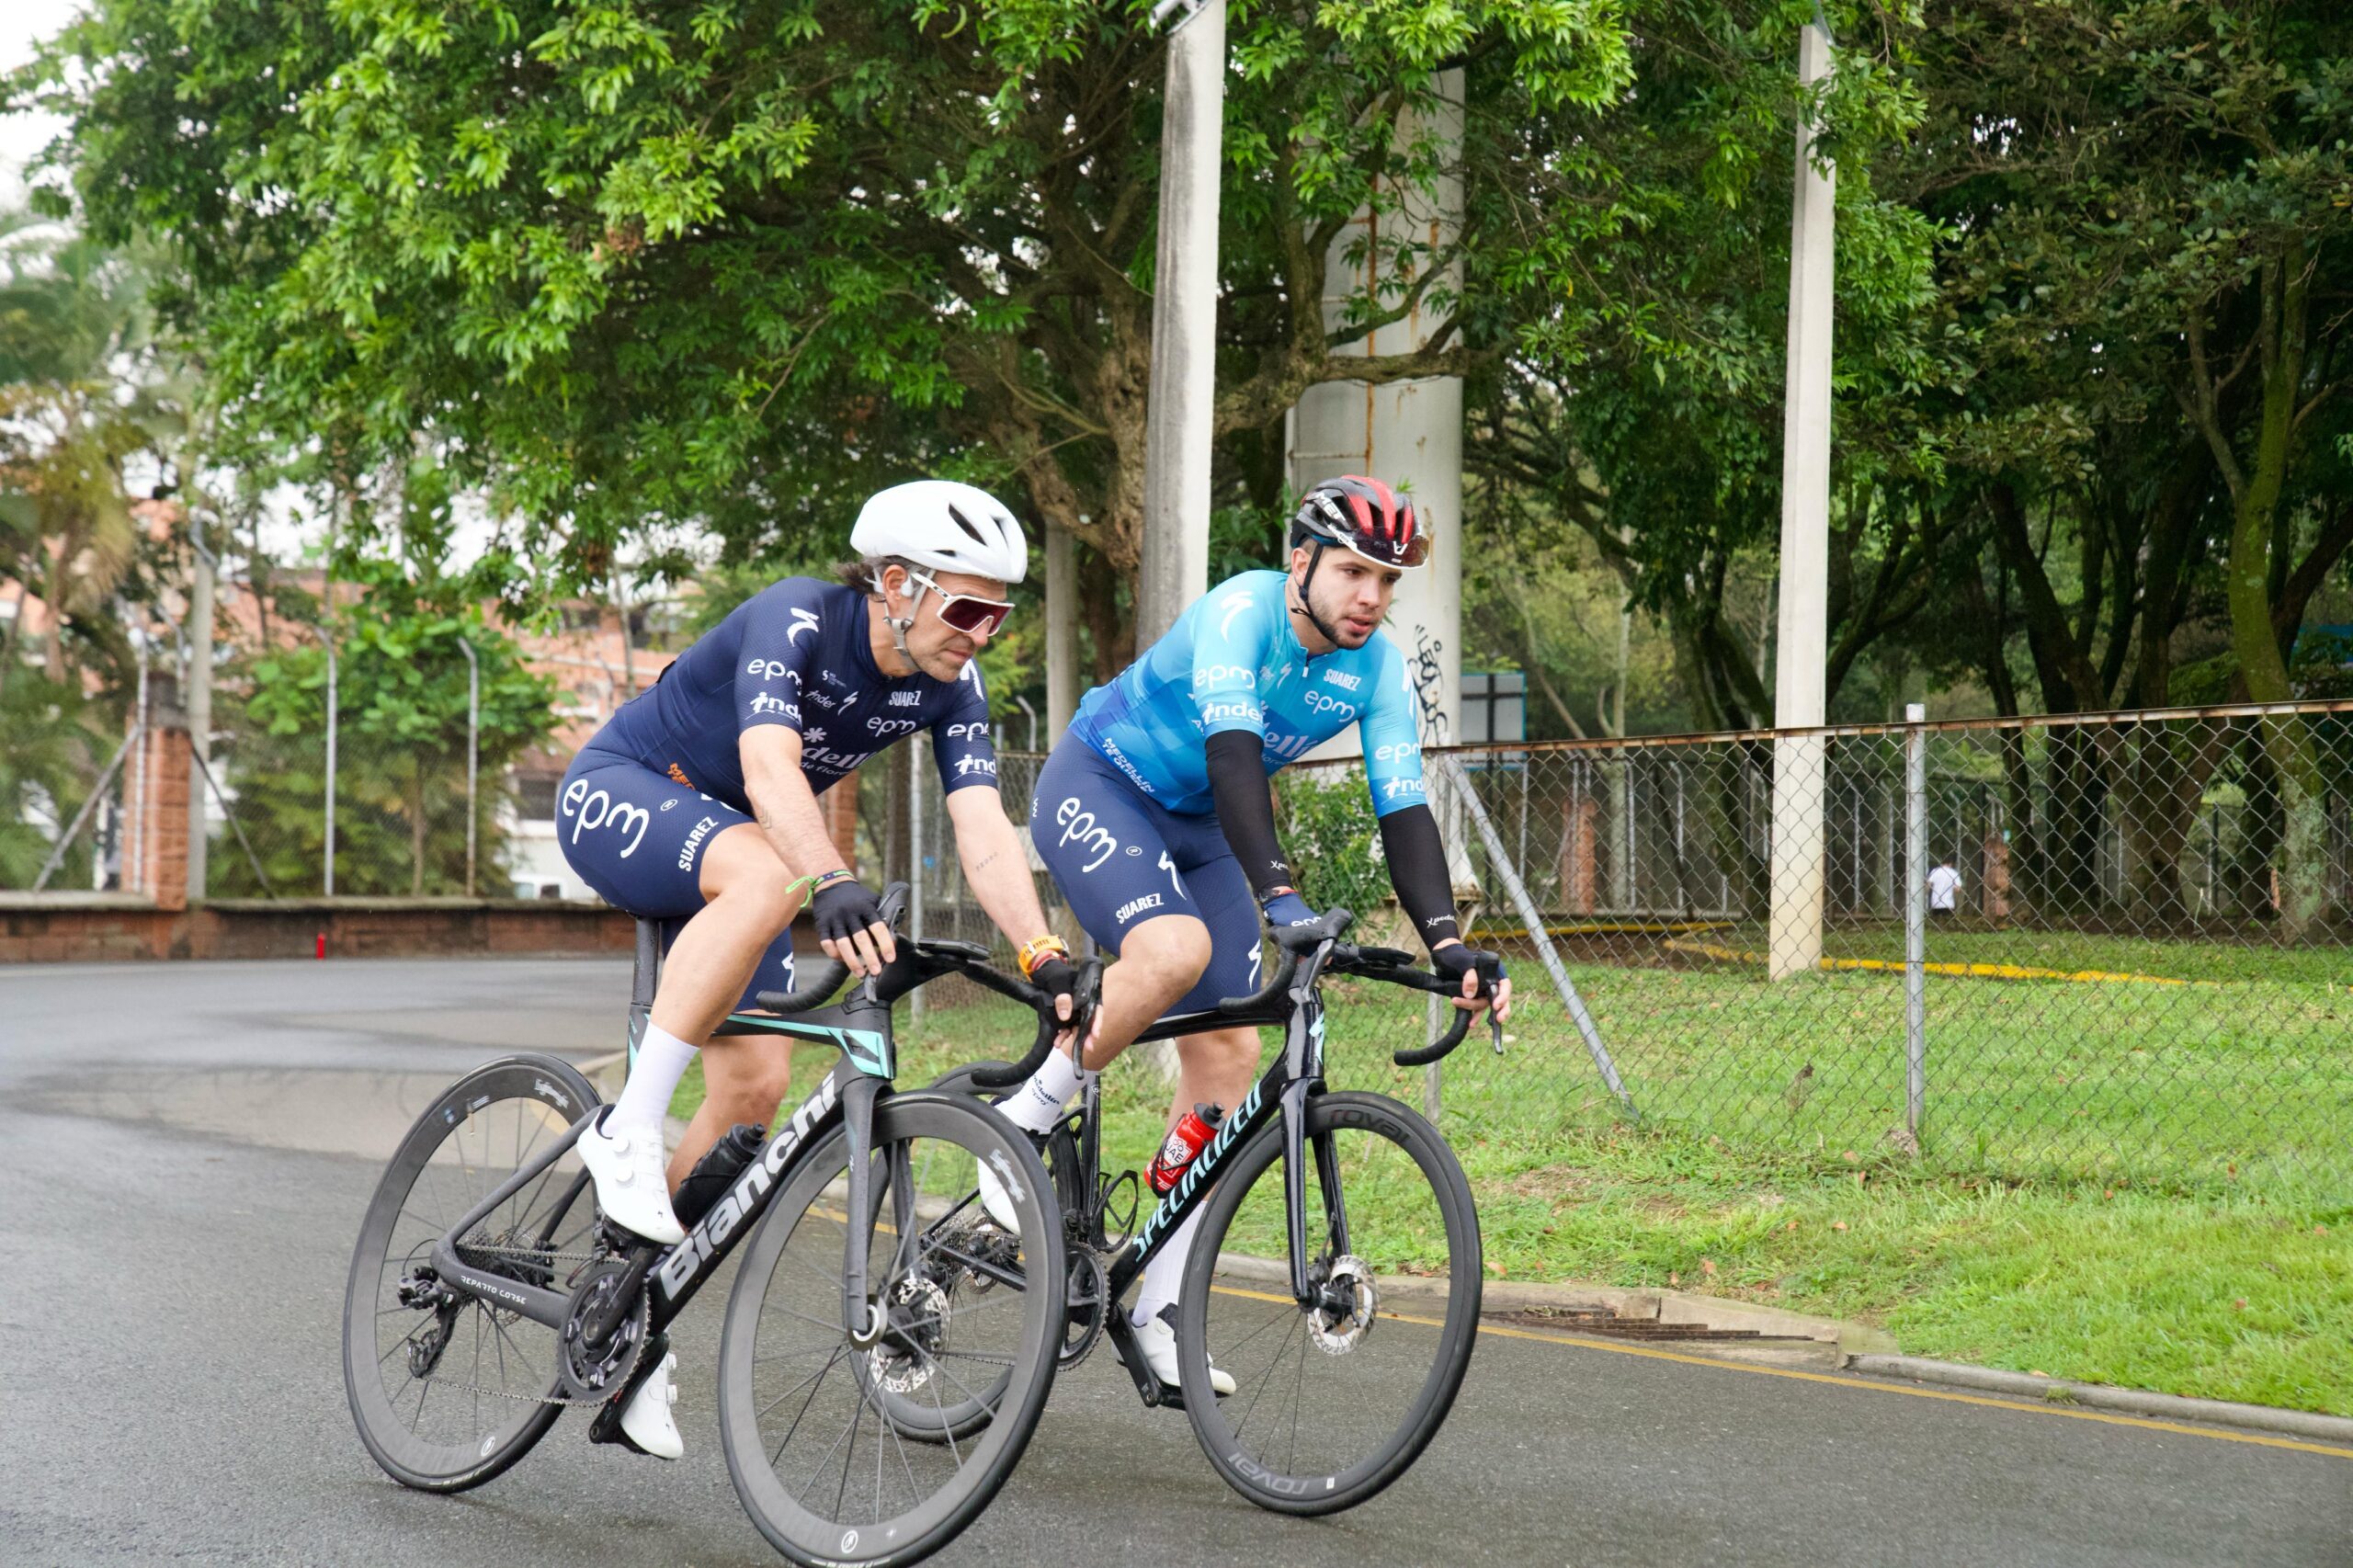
x=860, y=1027
x=1282, y=1091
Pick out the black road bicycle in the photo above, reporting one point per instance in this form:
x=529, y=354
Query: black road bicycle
x=873, y=1309
x=1338, y=1390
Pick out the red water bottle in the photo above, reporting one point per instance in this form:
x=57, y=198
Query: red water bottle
x=1193, y=1129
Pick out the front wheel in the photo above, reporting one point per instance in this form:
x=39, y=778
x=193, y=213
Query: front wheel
x=881, y=1455
x=1333, y=1401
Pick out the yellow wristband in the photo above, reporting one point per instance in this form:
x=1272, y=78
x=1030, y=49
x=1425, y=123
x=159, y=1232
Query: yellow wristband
x=1033, y=952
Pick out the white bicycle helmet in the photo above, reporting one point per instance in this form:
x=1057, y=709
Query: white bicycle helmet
x=944, y=526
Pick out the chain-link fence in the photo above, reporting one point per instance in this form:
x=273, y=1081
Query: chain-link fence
x=396, y=816
x=2113, y=946
x=344, y=811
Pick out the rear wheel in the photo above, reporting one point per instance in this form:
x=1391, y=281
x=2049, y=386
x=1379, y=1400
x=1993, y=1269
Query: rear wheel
x=447, y=1390
x=1334, y=1400
x=881, y=1455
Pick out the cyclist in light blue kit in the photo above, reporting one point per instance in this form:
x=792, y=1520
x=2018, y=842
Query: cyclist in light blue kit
x=1154, y=815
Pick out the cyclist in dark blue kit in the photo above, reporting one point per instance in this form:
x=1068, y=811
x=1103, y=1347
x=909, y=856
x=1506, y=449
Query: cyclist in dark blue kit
x=698, y=801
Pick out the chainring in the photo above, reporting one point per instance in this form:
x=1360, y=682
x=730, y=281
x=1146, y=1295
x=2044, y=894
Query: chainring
x=1086, y=1303
x=595, y=1371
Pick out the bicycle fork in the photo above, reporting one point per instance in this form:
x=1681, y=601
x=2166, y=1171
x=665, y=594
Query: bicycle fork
x=864, y=1321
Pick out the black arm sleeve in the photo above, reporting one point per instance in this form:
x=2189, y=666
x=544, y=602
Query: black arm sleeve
x=1245, y=809
x=1417, y=870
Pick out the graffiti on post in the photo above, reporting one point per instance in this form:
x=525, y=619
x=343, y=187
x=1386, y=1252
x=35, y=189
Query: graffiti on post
x=1429, y=688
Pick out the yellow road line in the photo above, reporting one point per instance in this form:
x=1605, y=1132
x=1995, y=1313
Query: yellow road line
x=1607, y=928
x=1958, y=970
x=1866, y=1386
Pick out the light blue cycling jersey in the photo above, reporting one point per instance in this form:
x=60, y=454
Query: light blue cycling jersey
x=1232, y=662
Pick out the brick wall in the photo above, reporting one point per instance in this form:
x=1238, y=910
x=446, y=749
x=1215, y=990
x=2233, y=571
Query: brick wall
x=103, y=926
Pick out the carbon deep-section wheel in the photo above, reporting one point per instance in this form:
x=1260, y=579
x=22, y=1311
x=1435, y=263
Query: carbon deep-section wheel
x=447, y=1390
x=1335, y=1399
x=882, y=1453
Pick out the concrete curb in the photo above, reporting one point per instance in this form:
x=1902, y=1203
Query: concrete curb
x=1833, y=1342
x=2100, y=1396
x=606, y=1073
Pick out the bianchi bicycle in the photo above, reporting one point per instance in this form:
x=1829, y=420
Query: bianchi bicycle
x=872, y=1310
x=1349, y=1337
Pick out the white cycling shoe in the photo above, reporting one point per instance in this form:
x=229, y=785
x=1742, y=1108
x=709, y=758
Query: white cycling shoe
x=633, y=1184
x=1157, y=1335
x=647, y=1421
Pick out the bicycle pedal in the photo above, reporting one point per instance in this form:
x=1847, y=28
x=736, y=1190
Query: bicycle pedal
x=607, y=1428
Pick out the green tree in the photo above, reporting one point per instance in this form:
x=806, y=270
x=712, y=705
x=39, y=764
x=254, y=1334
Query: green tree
x=1644, y=294
x=2149, y=255
x=627, y=266
x=78, y=402
x=401, y=680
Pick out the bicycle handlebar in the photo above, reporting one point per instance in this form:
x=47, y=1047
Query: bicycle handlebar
x=1387, y=964
x=922, y=962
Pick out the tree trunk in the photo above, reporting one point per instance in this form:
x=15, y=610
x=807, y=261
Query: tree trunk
x=2253, y=577
x=1113, y=632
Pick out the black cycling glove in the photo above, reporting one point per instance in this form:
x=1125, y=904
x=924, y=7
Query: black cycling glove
x=1057, y=976
x=842, y=909
x=1454, y=960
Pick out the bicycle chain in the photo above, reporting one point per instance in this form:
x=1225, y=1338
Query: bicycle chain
x=502, y=1316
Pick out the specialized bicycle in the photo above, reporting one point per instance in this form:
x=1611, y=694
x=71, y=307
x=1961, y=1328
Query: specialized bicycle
x=487, y=1294
x=1337, y=1391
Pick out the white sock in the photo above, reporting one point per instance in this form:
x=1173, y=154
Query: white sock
x=662, y=1060
x=1166, y=1272
x=1038, y=1104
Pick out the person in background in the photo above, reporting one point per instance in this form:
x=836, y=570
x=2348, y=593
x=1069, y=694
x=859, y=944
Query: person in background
x=1944, y=891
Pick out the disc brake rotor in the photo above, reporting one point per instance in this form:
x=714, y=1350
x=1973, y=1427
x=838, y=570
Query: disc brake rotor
x=896, y=1369
x=1345, y=1316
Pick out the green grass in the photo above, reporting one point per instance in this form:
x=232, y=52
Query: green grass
x=2144, y=1185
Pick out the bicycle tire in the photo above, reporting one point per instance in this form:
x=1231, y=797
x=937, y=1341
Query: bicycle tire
x=547, y=1096
x=975, y=1470
x=1330, y=1489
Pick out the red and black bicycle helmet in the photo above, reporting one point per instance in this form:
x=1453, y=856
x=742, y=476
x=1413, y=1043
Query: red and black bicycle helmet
x=1364, y=518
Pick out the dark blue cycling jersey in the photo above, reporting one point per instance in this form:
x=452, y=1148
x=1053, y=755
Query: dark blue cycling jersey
x=796, y=653
x=1232, y=662
x=663, y=778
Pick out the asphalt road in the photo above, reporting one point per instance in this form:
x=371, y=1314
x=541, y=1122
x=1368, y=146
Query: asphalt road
x=186, y=1151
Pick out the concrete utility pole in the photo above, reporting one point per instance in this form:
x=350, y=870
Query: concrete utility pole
x=1062, y=632
x=1183, y=320
x=1795, y=946
x=200, y=701
x=1409, y=433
